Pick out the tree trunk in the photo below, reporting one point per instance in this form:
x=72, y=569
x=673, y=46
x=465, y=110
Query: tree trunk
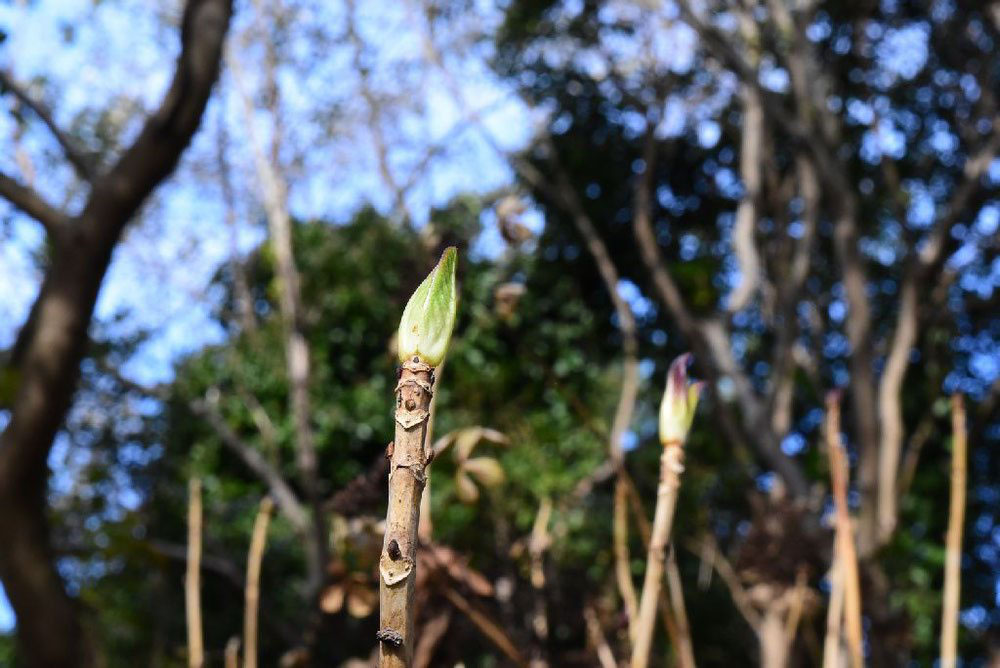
x=52, y=343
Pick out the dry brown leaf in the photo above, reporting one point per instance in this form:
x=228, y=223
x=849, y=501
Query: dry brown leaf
x=332, y=599
x=485, y=469
x=465, y=489
x=361, y=601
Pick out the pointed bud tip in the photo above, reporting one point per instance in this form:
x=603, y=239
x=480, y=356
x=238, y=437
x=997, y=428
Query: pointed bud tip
x=429, y=317
x=680, y=400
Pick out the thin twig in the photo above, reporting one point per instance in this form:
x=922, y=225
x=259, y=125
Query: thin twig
x=432, y=632
x=834, y=613
x=489, y=628
x=73, y=154
x=845, y=532
x=684, y=647
x=671, y=466
x=232, y=656
x=192, y=579
x=953, y=540
x=30, y=202
x=707, y=549
x=537, y=545
x=252, y=593
x=597, y=639
x=751, y=141
x=795, y=608
x=670, y=624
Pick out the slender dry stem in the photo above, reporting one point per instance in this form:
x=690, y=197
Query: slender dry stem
x=426, y=519
x=670, y=624
x=796, y=608
x=683, y=647
x=604, y=654
x=232, y=654
x=489, y=628
x=845, y=532
x=432, y=632
x=397, y=566
x=192, y=579
x=834, y=614
x=623, y=570
x=252, y=592
x=537, y=545
x=953, y=540
x=671, y=466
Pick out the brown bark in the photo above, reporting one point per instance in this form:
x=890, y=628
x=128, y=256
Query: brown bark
x=398, y=563
x=52, y=343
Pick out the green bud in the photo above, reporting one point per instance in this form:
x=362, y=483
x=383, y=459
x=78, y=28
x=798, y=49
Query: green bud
x=429, y=316
x=679, y=402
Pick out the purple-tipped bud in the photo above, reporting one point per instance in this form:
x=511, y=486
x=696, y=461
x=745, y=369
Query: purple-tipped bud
x=680, y=400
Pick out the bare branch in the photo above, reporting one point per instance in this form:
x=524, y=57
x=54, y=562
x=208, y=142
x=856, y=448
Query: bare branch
x=932, y=253
x=432, y=632
x=297, y=357
x=284, y=496
x=710, y=551
x=785, y=357
x=375, y=118
x=493, y=631
x=73, y=154
x=537, y=545
x=33, y=204
x=565, y=195
x=904, y=336
x=255, y=556
x=597, y=639
x=744, y=245
x=834, y=614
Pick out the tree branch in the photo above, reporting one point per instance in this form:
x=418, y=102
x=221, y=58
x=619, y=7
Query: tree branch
x=284, y=497
x=297, y=356
x=919, y=267
x=744, y=245
x=30, y=202
x=73, y=154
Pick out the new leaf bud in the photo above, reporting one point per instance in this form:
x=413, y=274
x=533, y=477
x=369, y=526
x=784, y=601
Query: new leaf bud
x=429, y=316
x=680, y=400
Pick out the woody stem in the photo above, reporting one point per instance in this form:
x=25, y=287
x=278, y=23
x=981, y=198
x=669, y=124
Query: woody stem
x=397, y=566
x=671, y=466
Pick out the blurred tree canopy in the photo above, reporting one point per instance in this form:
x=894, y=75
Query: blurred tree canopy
x=804, y=194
